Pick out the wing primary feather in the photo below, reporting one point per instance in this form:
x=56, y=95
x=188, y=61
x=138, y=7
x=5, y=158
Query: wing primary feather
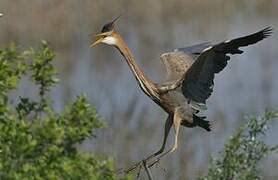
x=198, y=80
x=231, y=47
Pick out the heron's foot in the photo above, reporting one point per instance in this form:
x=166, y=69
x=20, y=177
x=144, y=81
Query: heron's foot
x=145, y=160
x=150, y=164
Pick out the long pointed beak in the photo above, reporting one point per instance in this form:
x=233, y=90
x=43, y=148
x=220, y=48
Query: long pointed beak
x=98, y=40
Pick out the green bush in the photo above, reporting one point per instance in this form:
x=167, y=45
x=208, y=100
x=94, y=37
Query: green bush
x=243, y=152
x=36, y=142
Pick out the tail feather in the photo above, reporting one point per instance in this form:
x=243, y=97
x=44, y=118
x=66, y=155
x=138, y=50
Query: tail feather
x=198, y=106
x=199, y=121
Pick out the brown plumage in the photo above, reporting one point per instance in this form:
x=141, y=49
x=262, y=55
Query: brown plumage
x=190, y=75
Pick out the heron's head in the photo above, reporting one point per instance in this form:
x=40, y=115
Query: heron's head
x=108, y=34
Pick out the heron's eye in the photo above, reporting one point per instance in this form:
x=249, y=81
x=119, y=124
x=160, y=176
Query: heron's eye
x=107, y=27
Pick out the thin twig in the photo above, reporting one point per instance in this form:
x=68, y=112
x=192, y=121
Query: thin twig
x=149, y=165
x=153, y=163
x=139, y=171
x=147, y=170
x=135, y=166
x=139, y=164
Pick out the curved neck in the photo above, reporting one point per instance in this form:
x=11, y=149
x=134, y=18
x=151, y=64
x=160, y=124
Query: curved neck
x=144, y=82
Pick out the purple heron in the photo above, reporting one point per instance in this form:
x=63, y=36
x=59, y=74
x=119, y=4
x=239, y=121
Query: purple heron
x=190, y=74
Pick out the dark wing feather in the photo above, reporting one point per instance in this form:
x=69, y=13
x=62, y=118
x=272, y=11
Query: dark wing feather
x=195, y=49
x=198, y=81
x=231, y=47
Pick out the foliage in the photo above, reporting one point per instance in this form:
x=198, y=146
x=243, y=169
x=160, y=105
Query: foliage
x=36, y=142
x=243, y=152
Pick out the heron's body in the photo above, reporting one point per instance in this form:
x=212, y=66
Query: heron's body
x=190, y=75
x=169, y=101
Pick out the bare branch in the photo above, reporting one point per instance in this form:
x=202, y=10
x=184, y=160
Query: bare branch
x=147, y=170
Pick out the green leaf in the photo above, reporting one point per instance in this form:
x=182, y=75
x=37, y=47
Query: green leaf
x=37, y=142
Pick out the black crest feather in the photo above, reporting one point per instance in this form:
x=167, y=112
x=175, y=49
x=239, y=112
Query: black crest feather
x=110, y=26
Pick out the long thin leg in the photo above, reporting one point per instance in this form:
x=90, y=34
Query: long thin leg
x=167, y=127
x=177, y=121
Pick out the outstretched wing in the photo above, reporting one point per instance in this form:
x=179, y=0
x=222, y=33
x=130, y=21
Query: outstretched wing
x=180, y=60
x=195, y=49
x=198, y=80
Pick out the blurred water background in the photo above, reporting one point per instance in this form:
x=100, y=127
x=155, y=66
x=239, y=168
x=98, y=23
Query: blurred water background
x=135, y=124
